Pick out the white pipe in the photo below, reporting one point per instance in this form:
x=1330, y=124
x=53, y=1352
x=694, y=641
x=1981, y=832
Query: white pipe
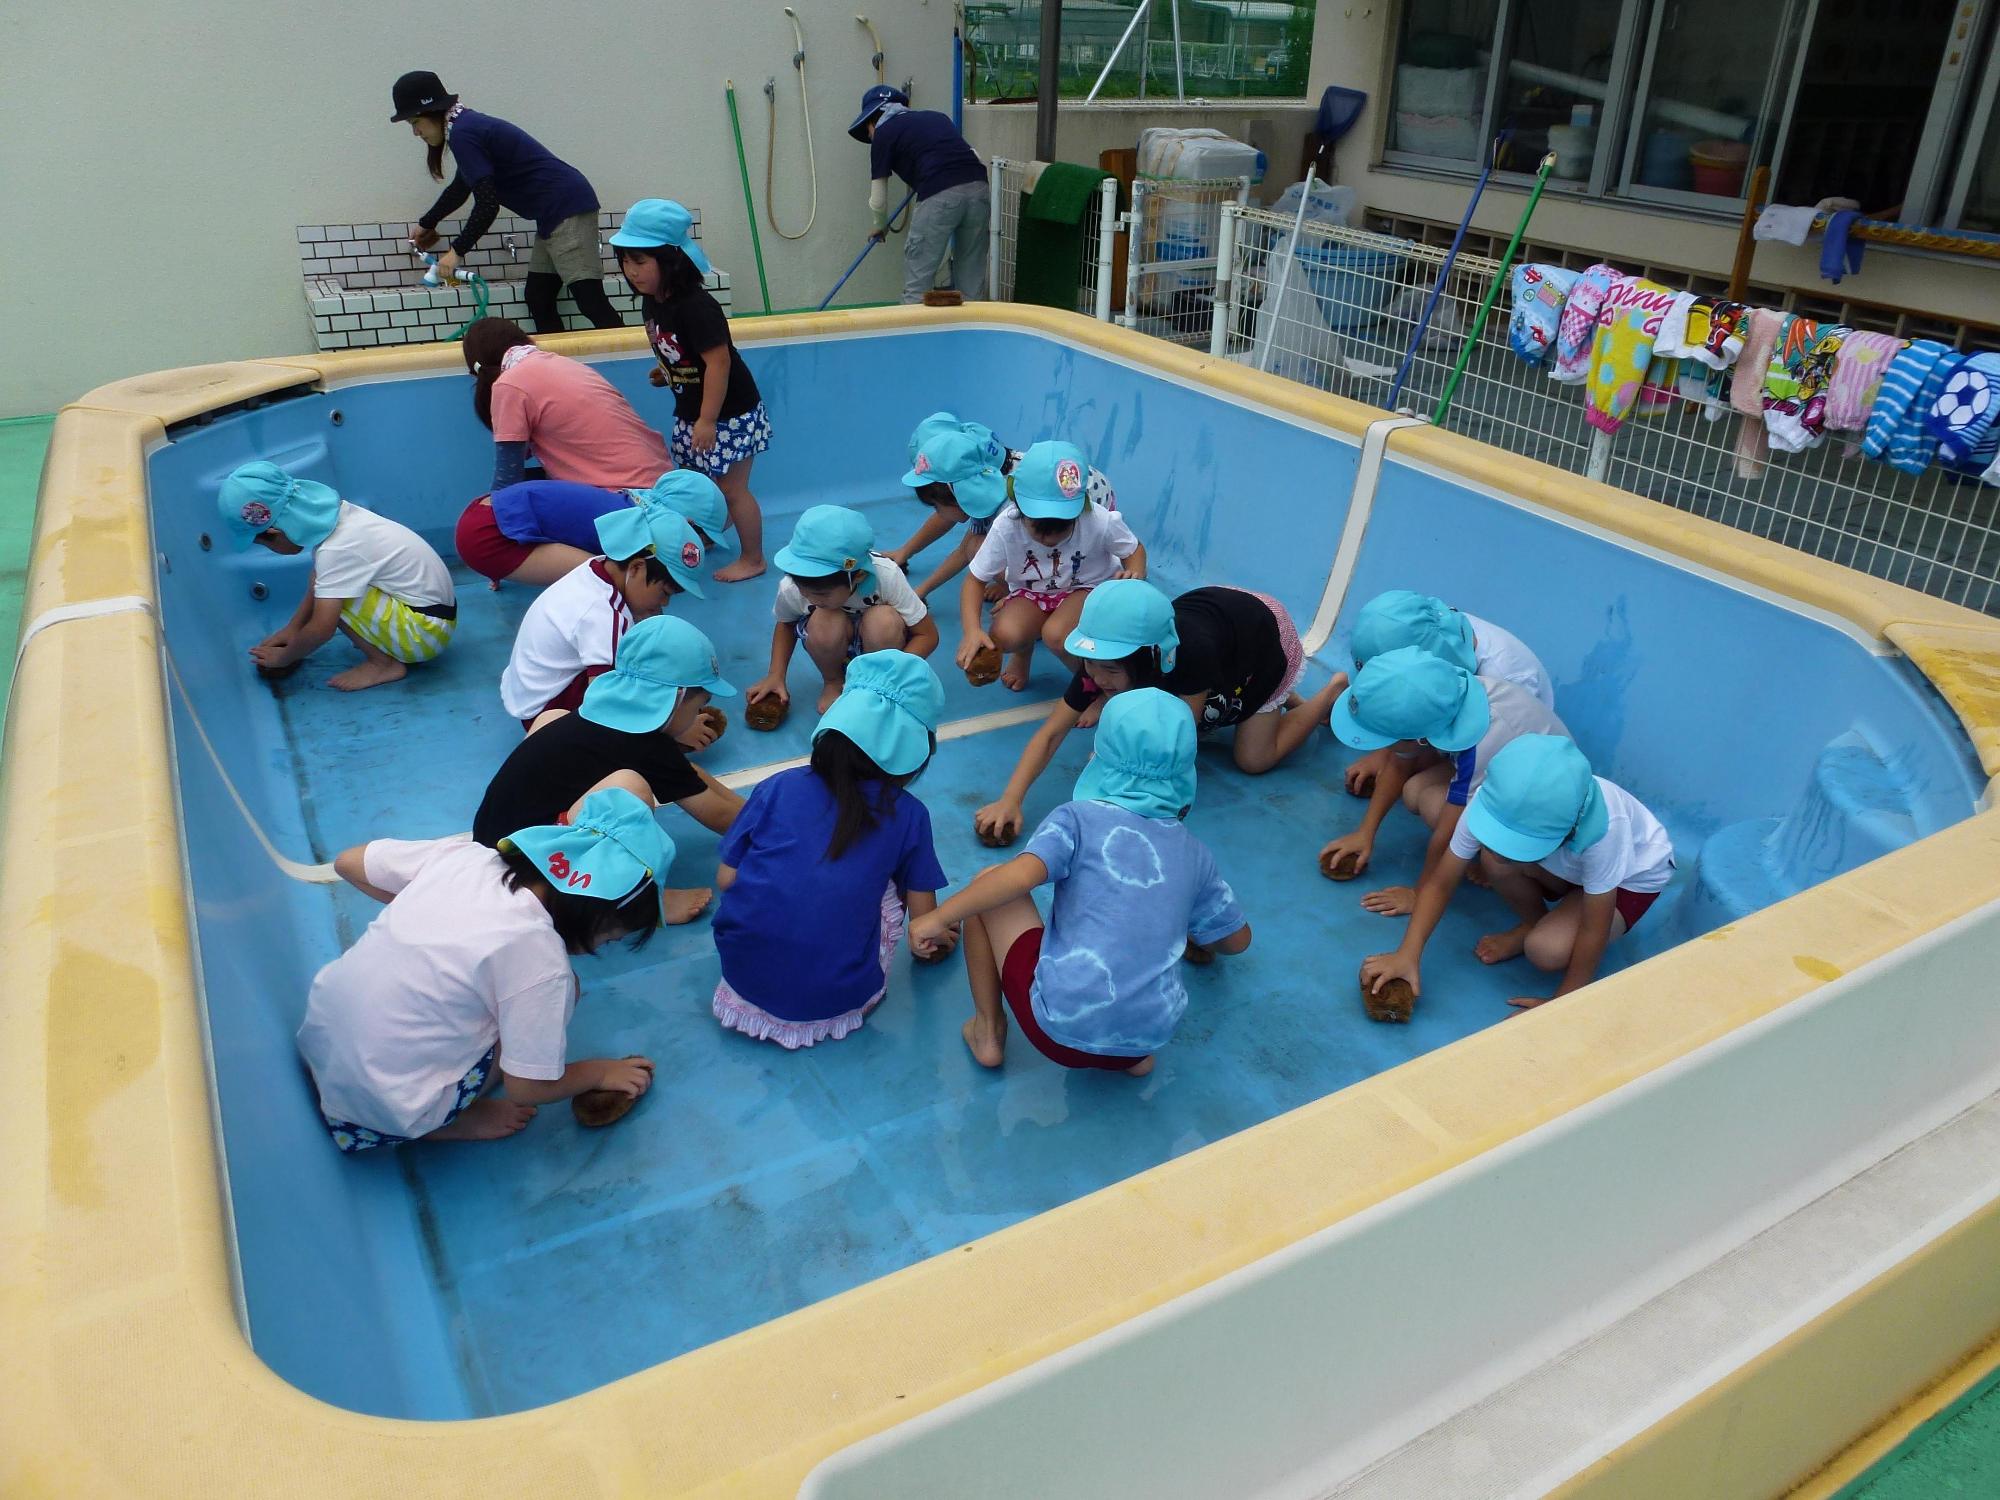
x=1135, y=229
x=993, y=288
x=1112, y=61
x=1276, y=308
x=1219, y=323
x=1107, y=233
x=1598, y=460
x=1180, y=84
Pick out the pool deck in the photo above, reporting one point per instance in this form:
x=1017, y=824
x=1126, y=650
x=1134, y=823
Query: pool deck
x=23, y=441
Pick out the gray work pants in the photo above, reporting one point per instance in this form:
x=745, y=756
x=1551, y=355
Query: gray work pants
x=953, y=219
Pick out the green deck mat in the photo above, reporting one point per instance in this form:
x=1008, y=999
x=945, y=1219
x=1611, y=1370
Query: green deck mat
x=23, y=441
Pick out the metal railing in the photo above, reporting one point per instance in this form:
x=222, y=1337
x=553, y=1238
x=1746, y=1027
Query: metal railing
x=1340, y=312
x=1010, y=183
x=1174, y=234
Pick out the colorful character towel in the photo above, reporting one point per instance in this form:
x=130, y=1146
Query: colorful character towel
x=1577, y=330
x=1715, y=331
x=1539, y=295
x=1963, y=417
x=1857, y=376
x=1896, y=433
x=1795, y=383
x=1621, y=355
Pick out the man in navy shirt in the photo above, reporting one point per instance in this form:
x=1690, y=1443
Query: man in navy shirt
x=925, y=149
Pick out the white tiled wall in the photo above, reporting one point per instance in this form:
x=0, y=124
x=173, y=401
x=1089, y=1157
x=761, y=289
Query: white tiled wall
x=366, y=289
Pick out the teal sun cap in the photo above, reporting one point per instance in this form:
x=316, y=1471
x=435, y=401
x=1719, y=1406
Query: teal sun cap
x=609, y=851
x=930, y=427
x=1143, y=758
x=1409, y=694
x=1050, y=482
x=658, y=660
x=1401, y=618
x=653, y=224
x=260, y=497
x=648, y=528
x=829, y=539
x=889, y=708
x=1122, y=617
x=1538, y=795
x=968, y=459
x=700, y=500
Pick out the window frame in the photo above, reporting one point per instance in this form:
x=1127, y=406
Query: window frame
x=1979, y=121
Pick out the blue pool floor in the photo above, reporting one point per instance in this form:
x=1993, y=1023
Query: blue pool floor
x=752, y=1181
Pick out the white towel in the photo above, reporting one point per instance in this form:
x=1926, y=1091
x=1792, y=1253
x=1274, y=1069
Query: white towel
x=1780, y=222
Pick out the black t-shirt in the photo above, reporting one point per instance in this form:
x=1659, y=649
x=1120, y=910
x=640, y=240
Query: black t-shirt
x=1230, y=653
x=683, y=330
x=558, y=763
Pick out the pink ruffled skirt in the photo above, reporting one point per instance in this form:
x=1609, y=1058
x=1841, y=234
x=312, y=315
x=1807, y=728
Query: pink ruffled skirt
x=738, y=1014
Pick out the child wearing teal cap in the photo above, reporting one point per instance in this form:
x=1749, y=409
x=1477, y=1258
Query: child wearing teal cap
x=374, y=580
x=635, y=728
x=1545, y=830
x=1098, y=985
x=1050, y=549
x=841, y=598
x=720, y=420
x=824, y=862
x=571, y=632
x=466, y=976
x=1443, y=726
x=1403, y=618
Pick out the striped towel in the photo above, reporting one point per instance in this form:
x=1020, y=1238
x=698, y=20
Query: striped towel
x=1895, y=433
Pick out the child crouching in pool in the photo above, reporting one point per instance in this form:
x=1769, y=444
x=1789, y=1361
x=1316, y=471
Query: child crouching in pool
x=1052, y=548
x=374, y=580
x=1545, y=830
x=823, y=862
x=465, y=976
x=1099, y=985
x=842, y=598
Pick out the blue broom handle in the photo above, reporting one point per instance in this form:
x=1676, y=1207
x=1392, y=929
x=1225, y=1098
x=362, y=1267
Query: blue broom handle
x=1444, y=272
x=872, y=242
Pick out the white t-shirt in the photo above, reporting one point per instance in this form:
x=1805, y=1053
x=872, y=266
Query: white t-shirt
x=1095, y=550
x=456, y=963
x=1516, y=712
x=891, y=587
x=365, y=550
x=1501, y=653
x=1635, y=853
x=575, y=622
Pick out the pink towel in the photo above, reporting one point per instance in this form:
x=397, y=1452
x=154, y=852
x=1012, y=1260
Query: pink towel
x=1857, y=376
x=1746, y=390
x=1576, y=330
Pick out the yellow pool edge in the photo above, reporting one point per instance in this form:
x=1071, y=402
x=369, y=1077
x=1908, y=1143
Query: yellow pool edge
x=124, y=1371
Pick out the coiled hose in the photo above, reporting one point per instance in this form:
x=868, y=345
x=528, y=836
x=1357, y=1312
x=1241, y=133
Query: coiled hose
x=771, y=137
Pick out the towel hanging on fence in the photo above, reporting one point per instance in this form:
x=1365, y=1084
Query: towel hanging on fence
x=1896, y=434
x=1962, y=418
x=1857, y=377
x=1746, y=390
x=1795, y=383
x=1621, y=355
x=1540, y=293
x=1577, y=328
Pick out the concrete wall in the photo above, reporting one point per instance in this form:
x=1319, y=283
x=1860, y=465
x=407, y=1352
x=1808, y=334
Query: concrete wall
x=156, y=157
x=1353, y=46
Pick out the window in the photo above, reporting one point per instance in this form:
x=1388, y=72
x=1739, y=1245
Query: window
x=1678, y=102
x=1209, y=49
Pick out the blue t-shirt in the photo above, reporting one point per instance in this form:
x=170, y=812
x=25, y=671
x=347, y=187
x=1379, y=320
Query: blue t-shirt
x=800, y=935
x=555, y=510
x=925, y=149
x=531, y=180
x=1129, y=893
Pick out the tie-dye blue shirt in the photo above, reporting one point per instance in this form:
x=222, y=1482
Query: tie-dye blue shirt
x=1129, y=893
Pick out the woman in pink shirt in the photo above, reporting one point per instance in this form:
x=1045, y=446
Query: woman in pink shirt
x=569, y=415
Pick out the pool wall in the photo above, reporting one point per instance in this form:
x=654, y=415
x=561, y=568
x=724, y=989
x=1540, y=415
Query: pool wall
x=128, y=1370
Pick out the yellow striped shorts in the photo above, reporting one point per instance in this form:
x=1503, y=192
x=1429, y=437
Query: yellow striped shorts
x=394, y=628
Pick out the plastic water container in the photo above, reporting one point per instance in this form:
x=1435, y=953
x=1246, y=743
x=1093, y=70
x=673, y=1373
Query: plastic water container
x=1574, y=146
x=1353, y=283
x=1663, y=162
x=1719, y=167
x=1188, y=154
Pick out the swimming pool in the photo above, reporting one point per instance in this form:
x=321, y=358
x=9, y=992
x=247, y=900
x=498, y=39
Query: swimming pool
x=1764, y=717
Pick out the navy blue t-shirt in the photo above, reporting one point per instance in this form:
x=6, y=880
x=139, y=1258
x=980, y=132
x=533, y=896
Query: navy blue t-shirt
x=531, y=180
x=925, y=149
x=554, y=510
x=799, y=935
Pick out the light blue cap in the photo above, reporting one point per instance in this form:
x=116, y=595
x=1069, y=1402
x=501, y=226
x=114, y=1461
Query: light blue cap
x=930, y=427
x=648, y=528
x=1409, y=694
x=1124, y=616
x=657, y=660
x=1538, y=795
x=890, y=708
x=610, y=850
x=1143, y=758
x=653, y=222
x=829, y=539
x=259, y=496
x=700, y=500
x=1400, y=618
x=1050, y=482
x=967, y=458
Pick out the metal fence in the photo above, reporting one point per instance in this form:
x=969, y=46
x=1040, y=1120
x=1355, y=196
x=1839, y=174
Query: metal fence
x=1339, y=310
x=1011, y=181
x=1174, y=239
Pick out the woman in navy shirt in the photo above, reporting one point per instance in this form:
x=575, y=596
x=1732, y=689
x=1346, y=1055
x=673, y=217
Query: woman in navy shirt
x=925, y=149
x=502, y=166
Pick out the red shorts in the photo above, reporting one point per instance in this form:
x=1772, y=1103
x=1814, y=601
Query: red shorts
x=1633, y=905
x=570, y=697
x=1017, y=979
x=485, y=549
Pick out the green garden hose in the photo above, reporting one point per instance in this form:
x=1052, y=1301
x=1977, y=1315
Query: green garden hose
x=749, y=198
x=481, y=300
x=1493, y=291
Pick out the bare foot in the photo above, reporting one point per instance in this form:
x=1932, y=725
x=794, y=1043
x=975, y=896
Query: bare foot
x=1498, y=947
x=369, y=674
x=1195, y=953
x=486, y=1120
x=678, y=908
x=987, y=1047
x=492, y=585
x=827, y=695
x=1140, y=1068
x=1015, y=673
x=742, y=568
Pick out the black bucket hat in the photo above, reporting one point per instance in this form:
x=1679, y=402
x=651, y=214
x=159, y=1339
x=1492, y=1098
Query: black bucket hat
x=419, y=93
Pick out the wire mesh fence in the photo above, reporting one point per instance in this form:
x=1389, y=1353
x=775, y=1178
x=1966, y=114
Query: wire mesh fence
x=1341, y=309
x=1175, y=240
x=1011, y=182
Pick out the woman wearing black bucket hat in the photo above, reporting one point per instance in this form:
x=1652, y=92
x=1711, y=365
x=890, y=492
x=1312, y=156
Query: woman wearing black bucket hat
x=502, y=166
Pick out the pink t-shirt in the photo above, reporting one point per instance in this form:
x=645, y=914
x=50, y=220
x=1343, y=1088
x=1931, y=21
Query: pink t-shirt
x=576, y=422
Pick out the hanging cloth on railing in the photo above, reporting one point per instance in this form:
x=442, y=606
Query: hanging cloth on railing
x=1896, y=432
x=1963, y=418
x=1577, y=329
